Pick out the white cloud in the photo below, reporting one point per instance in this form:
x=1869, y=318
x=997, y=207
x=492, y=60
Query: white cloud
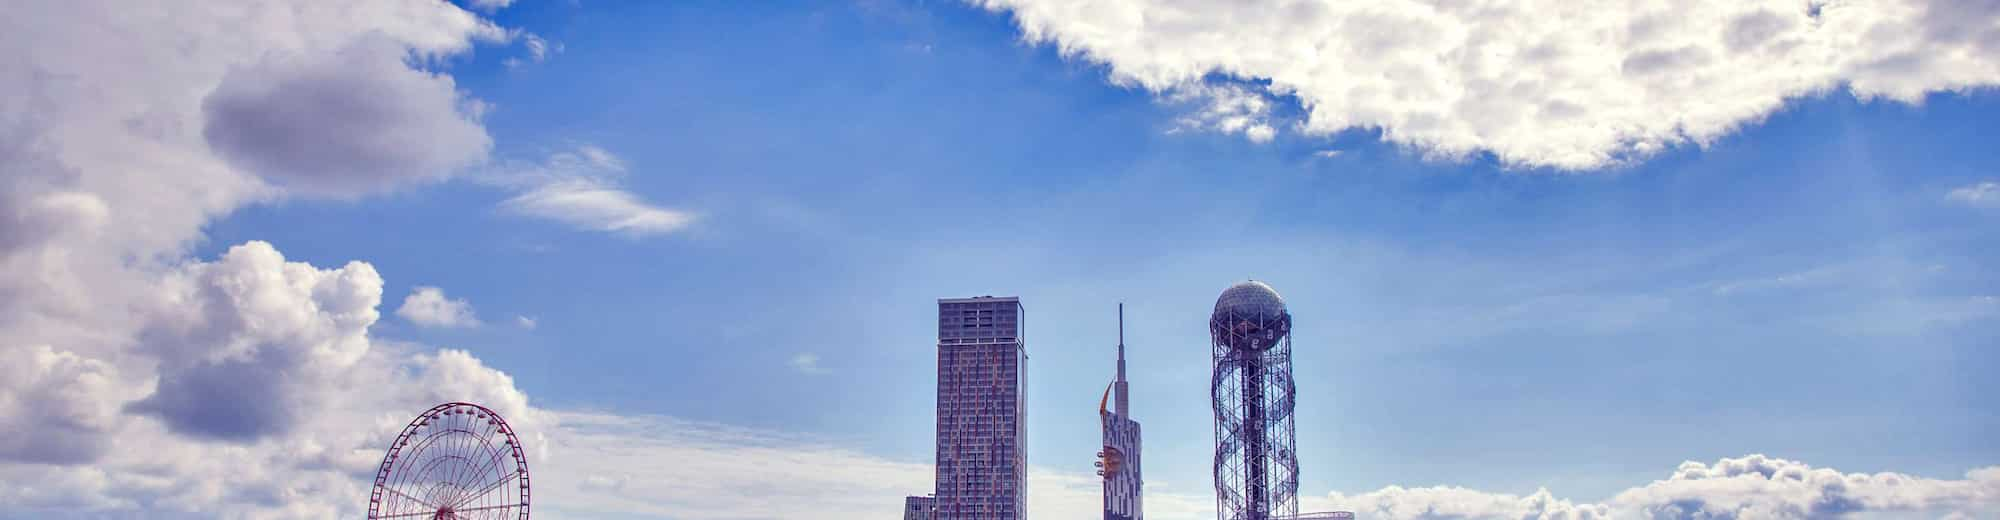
x=1748, y=487
x=580, y=188
x=122, y=124
x=344, y=123
x=539, y=50
x=56, y=407
x=245, y=343
x=1230, y=109
x=428, y=306
x=807, y=363
x=525, y=322
x=1982, y=195
x=490, y=5
x=140, y=382
x=312, y=471
x=595, y=206
x=1535, y=82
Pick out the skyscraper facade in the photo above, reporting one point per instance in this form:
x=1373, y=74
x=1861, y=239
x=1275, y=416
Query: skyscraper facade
x=981, y=428
x=1118, y=463
x=919, y=508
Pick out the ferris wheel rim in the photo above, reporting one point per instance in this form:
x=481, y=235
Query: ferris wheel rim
x=385, y=482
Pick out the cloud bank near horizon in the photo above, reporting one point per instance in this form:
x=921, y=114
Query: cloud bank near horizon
x=1748, y=487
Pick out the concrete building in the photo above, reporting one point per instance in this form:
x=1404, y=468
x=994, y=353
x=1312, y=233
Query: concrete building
x=919, y=508
x=981, y=427
x=1118, y=462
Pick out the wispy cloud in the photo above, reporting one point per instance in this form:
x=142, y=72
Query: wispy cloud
x=539, y=50
x=1982, y=195
x=580, y=188
x=807, y=363
x=1225, y=108
x=662, y=467
x=1789, y=280
x=591, y=205
x=525, y=322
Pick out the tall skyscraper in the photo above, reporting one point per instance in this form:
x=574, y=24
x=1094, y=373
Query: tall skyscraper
x=981, y=430
x=1118, y=463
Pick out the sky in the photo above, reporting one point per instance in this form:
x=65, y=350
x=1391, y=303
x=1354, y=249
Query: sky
x=1545, y=260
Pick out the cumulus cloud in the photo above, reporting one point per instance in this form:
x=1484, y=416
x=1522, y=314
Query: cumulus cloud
x=269, y=400
x=244, y=342
x=1540, y=83
x=428, y=306
x=56, y=407
x=1764, y=487
x=140, y=382
x=1981, y=195
x=525, y=322
x=580, y=188
x=343, y=123
x=1754, y=486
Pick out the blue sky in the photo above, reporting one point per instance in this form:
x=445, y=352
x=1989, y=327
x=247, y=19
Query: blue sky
x=1809, y=282
x=1461, y=323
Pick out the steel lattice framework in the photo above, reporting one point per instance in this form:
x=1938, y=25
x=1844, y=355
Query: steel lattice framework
x=1256, y=469
x=456, y=461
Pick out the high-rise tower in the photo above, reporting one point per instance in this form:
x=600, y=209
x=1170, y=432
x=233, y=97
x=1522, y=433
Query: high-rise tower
x=1256, y=471
x=981, y=430
x=1118, y=462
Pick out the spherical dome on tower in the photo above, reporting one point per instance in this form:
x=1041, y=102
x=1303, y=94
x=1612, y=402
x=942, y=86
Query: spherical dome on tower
x=1250, y=298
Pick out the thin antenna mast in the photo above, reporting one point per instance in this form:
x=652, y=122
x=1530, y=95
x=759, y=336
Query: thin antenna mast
x=1123, y=400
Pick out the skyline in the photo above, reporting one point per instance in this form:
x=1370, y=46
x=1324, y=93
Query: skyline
x=1543, y=258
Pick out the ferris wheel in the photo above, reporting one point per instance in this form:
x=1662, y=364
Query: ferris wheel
x=457, y=461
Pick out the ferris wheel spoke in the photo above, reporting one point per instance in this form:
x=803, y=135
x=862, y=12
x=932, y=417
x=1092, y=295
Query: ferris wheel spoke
x=488, y=489
x=415, y=499
x=473, y=468
x=417, y=515
x=490, y=508
x=493, y=462
x=461, y=446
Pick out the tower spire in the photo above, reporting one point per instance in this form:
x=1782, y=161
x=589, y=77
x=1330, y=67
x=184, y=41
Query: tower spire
x=1123, y=399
